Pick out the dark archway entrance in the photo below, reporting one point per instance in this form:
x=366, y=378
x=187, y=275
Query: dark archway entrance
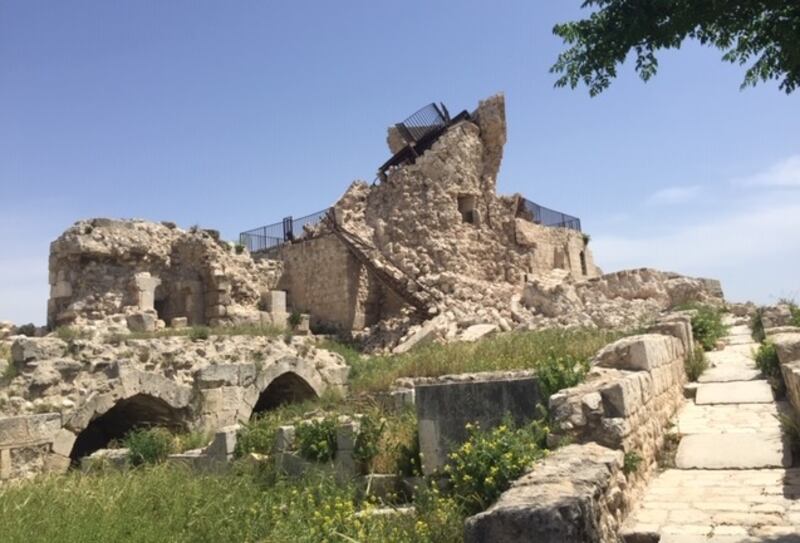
x=288, y=388
x=138, y=411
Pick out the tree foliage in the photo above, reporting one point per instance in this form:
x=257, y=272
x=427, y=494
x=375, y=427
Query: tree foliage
x=762, y=33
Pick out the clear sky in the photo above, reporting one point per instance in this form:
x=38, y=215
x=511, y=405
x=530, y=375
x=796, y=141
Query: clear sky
x=232, y=115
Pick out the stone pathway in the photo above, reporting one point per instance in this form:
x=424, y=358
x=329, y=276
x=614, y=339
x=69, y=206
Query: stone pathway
x=732, y=481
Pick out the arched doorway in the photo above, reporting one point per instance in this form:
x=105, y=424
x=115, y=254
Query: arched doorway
x=286, y=388
x=141, y=410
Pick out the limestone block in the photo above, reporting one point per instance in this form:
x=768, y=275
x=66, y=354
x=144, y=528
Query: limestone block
x=62, y=289
x=179, y=322
x=787, y=347
x=274, y=301
x=622, y=398
x=29, y=428
x=56, y=463
x=444, y=408
x=223, y=445
x=573, y=496
x=5, y=464
x=636, y=353
x=219, y=375
x=144, y=321
x=26, y=349
x=477, y=331
x=63, y=442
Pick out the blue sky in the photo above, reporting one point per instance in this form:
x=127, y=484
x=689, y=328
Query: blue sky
x=233, y=115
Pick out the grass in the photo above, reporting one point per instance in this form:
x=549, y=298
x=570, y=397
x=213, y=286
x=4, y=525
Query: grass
x=202, y=332
x=696, y=363
x=171, y=503
x=512, y=351
x=767, y=361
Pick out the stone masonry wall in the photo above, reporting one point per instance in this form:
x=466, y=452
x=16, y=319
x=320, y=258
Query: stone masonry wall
x=787, y=345
x=103, y=272
x=324, y=279
x=91, y=391
x=580, y=493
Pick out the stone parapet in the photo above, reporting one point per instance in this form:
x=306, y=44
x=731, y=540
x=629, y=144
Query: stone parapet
x=787, y=346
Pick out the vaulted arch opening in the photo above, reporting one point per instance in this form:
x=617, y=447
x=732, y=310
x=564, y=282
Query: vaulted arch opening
x=287, y=388
x=139, y=411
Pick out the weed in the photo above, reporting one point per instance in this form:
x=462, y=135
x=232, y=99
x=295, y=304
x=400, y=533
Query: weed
x=190, y=440
x=696, y=363
x=148, y=445
x=791, y=429
x=559, y=372
x=767, y=361
x=631, y=462
x=367, y=444
x=199, y=333
x=489, y=461
x=295, y=318
x=707, y=325
x=239, y=248
x=316, y=439
x=757, y=325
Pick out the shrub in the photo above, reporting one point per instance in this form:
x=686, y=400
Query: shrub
x=791, y=429
x=767, y=361
x=707, y=326
x=486, y=464
x=148, y=445
x=696, y=363
x=197, y=333
x=795, y=310
x=367, y=444
x=68, y=333
x=409, y=458
x=239, y=248
x=631, y=462
x=295, y=318
x=559, y=372
x=757, y=325
x=316, y=439
x=190, y=440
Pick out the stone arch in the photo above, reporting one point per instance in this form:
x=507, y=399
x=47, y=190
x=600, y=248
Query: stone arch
x=136, y=398
x=139, y=410
x=289, y=380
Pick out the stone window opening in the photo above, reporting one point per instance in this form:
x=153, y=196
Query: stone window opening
x=139, y=411
x=584, y=271
x=285, y=389
x=466, y=206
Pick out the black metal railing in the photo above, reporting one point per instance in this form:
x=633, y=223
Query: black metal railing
x=275, y=235
x=420, y=131
x=546, y=216
x=427, y=120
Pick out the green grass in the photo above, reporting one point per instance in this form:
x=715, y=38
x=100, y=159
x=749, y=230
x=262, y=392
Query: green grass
x=512, y=351
x=696, y=363
x=171, y=504
x=202, y=332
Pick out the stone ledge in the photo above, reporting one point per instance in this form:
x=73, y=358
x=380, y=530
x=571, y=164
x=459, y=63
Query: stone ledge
x=575, y=495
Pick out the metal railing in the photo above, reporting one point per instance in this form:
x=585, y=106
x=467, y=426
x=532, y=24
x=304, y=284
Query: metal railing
x=546, y=216
x=427, y=120
x=275, y=235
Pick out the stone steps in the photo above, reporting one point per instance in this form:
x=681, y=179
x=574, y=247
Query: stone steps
x=734, y=451
x=734, y=393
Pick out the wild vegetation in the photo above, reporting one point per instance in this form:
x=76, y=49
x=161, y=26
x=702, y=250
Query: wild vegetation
x=559, y=354
x=696, y=363
x=767, y=361
x=154, y=501
x=707, y=325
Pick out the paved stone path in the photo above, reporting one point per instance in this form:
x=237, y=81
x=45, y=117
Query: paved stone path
x=732, y=481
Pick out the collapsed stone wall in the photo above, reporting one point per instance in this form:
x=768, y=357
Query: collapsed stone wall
x=583, y=492
x=70, y=398
x=110, y=273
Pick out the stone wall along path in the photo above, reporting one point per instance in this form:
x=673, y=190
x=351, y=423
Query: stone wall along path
x=732, y=481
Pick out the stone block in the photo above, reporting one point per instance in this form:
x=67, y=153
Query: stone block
x=218, y=375
x=478, y=331
x=27, y=349
x=146, y=286
x=573, y=496
x=274, y=301
x=444, y=409
x=63, y=442
x=787, y=345
x=223, y=445
x=29, y=428
x=622, y=398
x=179, y=322
x=56, y=464
x=640, y=353
x=144, y=321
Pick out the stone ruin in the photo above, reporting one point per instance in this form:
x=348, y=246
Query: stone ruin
x=426, y=253
x=430, y=252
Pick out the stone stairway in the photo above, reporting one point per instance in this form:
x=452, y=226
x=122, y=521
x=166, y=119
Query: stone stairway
x=732, y=481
